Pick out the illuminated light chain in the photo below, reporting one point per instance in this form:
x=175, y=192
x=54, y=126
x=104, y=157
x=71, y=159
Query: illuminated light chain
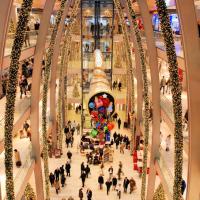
x=29, y=193
x=45, y=92
x=11, y=95
x=145, y=97
x=159, y=193
x=176, y=96
x=64, y=63
x=130, y=72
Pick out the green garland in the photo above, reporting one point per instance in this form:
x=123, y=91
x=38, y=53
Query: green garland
x=11, y=95
x=64, y=63
x=128, y=57
x=159, y=193
x=29, y=193
x=45, y=92
x=145, y=96
x=176, y=96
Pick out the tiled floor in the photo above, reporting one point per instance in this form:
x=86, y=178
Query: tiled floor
x=74, y=182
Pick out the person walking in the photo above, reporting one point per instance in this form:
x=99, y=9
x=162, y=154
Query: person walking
x=57, y=186
x=51, y=179
x=80, y=194
x=119, y=123
x=57, y=173
x=122, y=146
x=101, y=181
x=63, y=179
x=168, y=142
x=78, y=128
x=89, y=194
x=108, y=185
x=163, y=84
x=69, y=155
x=82, y=167
x=119, y=86
x=119, y=190
x=68, y=168
x=132, y=185
x=18, y=161
x=110, y=171
x=62, y=171
x=83, y=176
x=125, y=184
x=114, y=182
x=87, y=171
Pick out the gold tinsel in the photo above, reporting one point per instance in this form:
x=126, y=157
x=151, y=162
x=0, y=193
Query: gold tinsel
x=176, y=96
x=159, y=193
x=49, y=57
x=11, y=95
x=29, y=193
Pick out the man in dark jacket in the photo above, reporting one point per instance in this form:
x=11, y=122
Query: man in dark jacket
x=68, y=168
x=80, y=194
x=51, y=178
x=125, y=185
x=63, y=179
x=101, y=182
x=119, y=123
x=57, y=173
x=89, y=194
x=114, y=182
x=83, y=176
x=108, y=185
x=69, y=155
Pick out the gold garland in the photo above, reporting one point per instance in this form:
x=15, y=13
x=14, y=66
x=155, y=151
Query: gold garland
x=129, y=60
x=11, y=95
x=45, y=92
x=64, y=63
x=176, y=96
x=145, y=96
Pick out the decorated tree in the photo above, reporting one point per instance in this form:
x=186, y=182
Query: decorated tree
x=176, y=96
x=159, y=193
x=29, y=193
x=11, y=95
x=49, y=57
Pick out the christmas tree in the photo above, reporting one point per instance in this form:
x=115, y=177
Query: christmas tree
x=75, y=91
x=159, y=193
x=29, y=193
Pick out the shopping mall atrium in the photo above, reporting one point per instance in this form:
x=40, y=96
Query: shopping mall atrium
x=99, y=100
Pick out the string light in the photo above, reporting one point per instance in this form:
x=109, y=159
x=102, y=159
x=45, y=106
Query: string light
x=145, y=96
x=11, y=95
x=176, y=96
x=44, y=98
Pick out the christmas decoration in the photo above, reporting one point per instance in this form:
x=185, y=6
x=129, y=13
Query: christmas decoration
x=11, y=27
x=45, y=92
x=145, y=95
x=130, y=74
x=176, y=96
x=11, y=95
x=159, y=193
x=29, y=193
x=75, y=91
x=65, y=54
